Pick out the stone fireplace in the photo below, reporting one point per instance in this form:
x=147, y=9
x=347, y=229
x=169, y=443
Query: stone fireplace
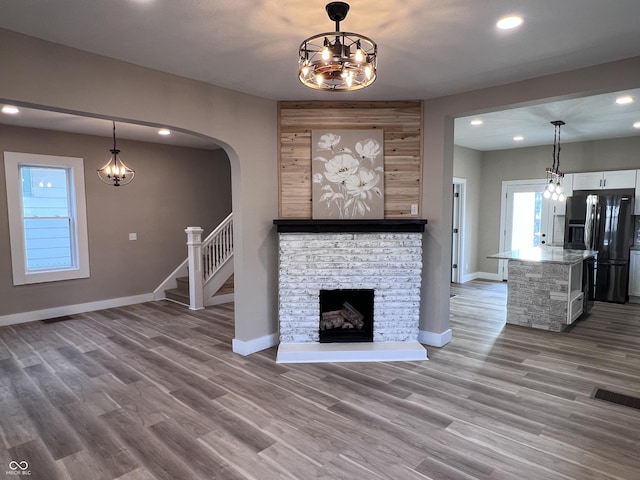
x=325, y=264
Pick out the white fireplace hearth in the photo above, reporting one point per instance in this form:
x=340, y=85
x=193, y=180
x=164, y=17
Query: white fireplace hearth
x=381, y=255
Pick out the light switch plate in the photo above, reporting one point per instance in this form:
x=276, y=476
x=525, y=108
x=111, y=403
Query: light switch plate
x=133, y=236
x=414, y=209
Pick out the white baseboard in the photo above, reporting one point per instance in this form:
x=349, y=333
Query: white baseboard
x=482, y=276
x=468, y=277
x=434, y=339
x=55, y=312
x=248, y=347
x=351, y=352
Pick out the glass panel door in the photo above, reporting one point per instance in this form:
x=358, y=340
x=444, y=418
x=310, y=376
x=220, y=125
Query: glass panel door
x=527, y=219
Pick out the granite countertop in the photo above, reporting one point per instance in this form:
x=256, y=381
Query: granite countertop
x=546, y=255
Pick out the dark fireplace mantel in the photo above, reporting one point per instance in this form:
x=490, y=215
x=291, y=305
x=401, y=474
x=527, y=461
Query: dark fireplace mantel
x=412, y=225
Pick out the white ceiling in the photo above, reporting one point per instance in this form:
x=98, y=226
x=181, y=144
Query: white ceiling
x=588, y=118
x=427, y=48
x=63, y=122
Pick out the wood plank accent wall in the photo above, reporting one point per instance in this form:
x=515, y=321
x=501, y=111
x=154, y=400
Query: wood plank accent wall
x=402, y=126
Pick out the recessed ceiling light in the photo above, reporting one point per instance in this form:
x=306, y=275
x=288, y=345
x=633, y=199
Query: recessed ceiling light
x=507, y=23
x=164, y=131
x=624, y=100
x=10, y=109
x=518, y=138
x=636, y=125
x=476, y=121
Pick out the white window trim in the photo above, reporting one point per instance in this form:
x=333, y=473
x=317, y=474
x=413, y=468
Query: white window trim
x=12, y=162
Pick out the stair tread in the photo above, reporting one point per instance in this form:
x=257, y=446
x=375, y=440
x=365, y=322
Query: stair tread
x=177, y=292
x=182, y=284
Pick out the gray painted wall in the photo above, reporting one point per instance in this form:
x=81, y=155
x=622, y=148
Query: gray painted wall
x=467, y=164
x=55, y=77
x=174, y=187
x=529, y=163
x=246, y=127
x=438, y=159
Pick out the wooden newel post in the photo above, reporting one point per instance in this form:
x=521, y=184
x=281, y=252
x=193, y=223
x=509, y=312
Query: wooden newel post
x=194, y=243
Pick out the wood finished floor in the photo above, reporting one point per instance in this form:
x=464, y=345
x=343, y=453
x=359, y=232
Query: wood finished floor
x=153, y=391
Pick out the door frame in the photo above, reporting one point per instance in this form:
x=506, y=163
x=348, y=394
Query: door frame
x=456, y=274
x=502, y=264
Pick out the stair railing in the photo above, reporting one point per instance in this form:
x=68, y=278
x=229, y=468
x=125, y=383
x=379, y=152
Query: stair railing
x=217, y=248
x=207, y=257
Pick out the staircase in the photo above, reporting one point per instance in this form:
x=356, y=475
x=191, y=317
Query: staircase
x=206, y=276
x=180, y=294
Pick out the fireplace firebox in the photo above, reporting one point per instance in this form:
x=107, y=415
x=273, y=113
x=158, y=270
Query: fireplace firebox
x=346, y=315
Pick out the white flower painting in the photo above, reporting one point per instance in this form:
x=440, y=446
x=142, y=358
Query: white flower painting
x=347, y=174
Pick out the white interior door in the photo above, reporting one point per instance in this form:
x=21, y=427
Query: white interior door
x=526, y=218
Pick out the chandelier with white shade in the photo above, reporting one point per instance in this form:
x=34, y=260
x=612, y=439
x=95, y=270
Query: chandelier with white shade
x=337, y=61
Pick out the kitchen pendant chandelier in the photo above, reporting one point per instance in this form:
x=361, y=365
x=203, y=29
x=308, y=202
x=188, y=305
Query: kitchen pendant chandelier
x=115, y=172
x=554, y=189
x=337, y=61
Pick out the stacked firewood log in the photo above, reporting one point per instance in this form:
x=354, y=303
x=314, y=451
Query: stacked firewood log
x=346, y=318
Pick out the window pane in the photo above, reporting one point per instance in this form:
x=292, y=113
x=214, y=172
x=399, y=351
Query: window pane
x=47, y=214
x=47, y=221
x=48, y=243
x=527, y=209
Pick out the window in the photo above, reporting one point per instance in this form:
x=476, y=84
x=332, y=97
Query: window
x=47, y=217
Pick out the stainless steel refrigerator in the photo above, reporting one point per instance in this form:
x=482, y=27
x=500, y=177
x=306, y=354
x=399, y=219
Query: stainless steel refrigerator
x=602, y=220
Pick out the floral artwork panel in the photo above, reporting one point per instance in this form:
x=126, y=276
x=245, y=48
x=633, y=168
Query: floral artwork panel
x=347, y=170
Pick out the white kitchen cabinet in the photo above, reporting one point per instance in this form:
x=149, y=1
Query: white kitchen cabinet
x=587, y=181
x=604, y=180
x=634, y=276
x=567, y=184
x=576, y=295
x=619, y=179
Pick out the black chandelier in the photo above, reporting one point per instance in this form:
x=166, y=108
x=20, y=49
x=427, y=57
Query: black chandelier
x=115, y=172
x=337, y=61
x=554, y=189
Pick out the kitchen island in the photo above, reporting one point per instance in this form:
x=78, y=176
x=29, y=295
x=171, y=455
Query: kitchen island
x=545, y=286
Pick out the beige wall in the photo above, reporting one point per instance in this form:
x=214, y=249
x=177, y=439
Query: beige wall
x=39, y=73
x=529, y=163
x=467, y=164
x=438, y=159
x=171, y=186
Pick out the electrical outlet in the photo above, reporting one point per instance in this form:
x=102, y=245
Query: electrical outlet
x=133, y=236
x=414, y=209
